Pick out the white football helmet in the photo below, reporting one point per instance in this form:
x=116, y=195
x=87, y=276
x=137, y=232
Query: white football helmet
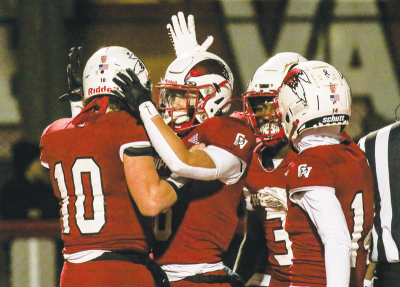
x=104, y=65
x=262, y=89
x=314, y=94
x=197, y=86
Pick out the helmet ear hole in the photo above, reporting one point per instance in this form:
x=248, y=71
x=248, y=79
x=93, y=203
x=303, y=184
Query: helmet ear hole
x=287, y=119
x=217, y=88
x=217, y=102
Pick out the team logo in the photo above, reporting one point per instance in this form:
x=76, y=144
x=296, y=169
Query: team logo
x=194, y=139
x=240, y=140
x=210, y=66
x=304, y=170
x=139, y=66
x=294, y=80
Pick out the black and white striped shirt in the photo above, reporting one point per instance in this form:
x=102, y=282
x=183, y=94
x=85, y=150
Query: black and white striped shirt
x=382, y=148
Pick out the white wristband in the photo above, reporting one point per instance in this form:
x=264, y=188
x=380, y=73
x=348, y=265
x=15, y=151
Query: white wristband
x=147, y=110
x=367, y=283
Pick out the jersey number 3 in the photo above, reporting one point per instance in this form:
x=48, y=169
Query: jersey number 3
x=85, y=225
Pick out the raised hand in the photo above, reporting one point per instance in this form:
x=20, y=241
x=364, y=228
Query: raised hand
x=132, y=92
x=183, y=37
x=74, y=74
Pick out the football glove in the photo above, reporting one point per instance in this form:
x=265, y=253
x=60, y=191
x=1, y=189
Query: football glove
x=132, y=92
x=273, y=199
x=183, y=37
x=74, y=74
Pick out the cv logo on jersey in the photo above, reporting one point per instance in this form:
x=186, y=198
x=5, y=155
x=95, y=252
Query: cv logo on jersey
x=240, y=140
x=304, y=170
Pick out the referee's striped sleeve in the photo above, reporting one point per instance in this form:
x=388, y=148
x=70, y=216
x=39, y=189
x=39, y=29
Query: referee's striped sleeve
x=382, y=149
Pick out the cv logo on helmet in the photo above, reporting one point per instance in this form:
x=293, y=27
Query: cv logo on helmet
x=294, y=81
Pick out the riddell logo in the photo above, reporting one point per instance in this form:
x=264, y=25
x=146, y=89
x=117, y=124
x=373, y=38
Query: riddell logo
x=170, y=82
x=99, y=89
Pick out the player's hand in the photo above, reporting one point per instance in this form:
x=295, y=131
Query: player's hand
x=200, y=146
x=273, y=199
x=74, y=74
x=183, y=37
x=132, y=92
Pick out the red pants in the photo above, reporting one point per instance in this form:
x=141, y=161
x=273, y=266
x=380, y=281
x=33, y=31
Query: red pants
x=105, y=274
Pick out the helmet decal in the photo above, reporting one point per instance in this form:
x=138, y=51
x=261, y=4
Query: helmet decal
x=323, y=103
x=293, y=81
x=209, y=66
x=104, y=64
x=139, y=66
x=197, y=86
x=258, y=100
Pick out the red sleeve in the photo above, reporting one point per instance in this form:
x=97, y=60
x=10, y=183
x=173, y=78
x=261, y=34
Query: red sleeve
x=310, y=171
x=228, y=133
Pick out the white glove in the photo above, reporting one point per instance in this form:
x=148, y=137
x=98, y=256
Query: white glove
x=273, y=198
x=183, y=37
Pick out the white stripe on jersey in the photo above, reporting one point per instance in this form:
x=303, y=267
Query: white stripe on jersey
x=382, y=174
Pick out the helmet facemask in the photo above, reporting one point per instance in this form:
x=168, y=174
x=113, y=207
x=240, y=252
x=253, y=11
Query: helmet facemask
x=260, y=112
x=183, y=107
x=202, y=85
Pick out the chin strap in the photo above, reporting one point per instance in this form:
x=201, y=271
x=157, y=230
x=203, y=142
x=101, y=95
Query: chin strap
x=82, y=117
x=294, y=128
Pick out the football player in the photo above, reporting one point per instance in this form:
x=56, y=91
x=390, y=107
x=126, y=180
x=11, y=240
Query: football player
x=192, y=100
x=329, y=183
x=99, y=161
x=265, y=187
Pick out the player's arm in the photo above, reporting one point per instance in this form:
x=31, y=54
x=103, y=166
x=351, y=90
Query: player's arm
x=161, y=133
x=74, y=74
x=326, y=213
x=151, y=194
x=207, y=164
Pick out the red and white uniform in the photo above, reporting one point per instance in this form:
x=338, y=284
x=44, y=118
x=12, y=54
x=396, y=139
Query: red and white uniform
x=342, y=170
x=97, y=211
x=202, y=225
x=278, y=244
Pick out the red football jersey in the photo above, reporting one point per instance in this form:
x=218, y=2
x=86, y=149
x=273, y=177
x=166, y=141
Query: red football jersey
x=278, y=244
x=199, y=228
x=87, y=173
x=344, y=168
